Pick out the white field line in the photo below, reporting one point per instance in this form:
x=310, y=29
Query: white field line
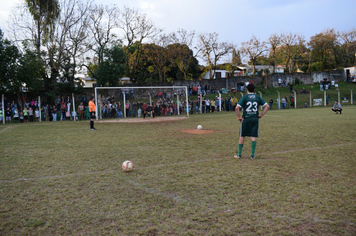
x=163, y=165
x=6, y=128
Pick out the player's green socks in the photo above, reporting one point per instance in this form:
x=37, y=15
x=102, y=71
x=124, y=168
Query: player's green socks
x=240, y=149
x=253, y=148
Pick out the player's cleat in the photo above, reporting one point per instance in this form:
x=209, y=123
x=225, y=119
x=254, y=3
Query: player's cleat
x=252, y=156
x=92, y=129
x=237, y=156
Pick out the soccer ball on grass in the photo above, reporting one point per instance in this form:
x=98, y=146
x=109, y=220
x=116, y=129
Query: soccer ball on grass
x=127, y=166
x=200, y=127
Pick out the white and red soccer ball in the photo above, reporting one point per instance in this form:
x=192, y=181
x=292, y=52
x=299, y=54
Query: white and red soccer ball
x=127, y=166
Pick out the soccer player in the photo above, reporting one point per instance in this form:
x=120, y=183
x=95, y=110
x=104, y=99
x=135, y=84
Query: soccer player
x=249, y=120
x=148, y=110
x=92, y=113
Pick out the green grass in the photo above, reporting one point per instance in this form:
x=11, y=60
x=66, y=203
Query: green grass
x=63, y=179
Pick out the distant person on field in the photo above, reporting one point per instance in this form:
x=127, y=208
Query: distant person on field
x=337, y=107
x=92, y=110
x=250, y=118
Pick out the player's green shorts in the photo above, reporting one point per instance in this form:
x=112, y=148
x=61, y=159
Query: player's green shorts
x=249, y=127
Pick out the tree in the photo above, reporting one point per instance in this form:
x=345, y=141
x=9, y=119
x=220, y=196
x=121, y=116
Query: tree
x=19, y=71
x=44, y=13
x=112, y=67
x=274, y=41
x=322, y=50
x=291, y=43
x=136, y=28
x=253, y=49
x=103, y=20
x=159, y=58
x=349, y=45
x=212, y=51
x=180, y=53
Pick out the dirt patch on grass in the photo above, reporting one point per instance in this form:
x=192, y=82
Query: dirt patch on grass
x=141, y=120
x=197, y=131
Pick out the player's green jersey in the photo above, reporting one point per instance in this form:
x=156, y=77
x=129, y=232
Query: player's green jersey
x=249, y=104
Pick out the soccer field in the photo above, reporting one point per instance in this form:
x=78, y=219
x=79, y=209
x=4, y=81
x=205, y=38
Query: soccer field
x=60, y=178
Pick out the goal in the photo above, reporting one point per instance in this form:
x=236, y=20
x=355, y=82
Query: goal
x=151, y=94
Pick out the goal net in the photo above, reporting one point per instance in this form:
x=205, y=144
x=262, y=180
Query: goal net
x=131, y=101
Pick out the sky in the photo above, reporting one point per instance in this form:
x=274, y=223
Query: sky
x=236, y=20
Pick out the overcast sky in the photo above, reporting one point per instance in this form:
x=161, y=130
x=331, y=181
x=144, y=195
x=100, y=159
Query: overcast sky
x=237, y=20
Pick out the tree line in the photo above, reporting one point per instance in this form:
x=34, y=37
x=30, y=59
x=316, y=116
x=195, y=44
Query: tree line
x=50, y=41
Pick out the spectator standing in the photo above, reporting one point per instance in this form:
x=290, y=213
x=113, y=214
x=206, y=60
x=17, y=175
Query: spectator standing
x=139, y=109
x=207, y=104
x=119, y=110
x=127, y=107
x=37, y=114
x=270, y=103
x=16, y=115
x=292, y=102
x=81, y=111
x=50, y=111
x=234, y=103
x=113, y=110
x=227, y=104
x=30, y=114
x=283, y=102
x=134, y=109
x=63, y=110
x=8, y=115
x=46, y=112
x=54, y=113
x=25, y=114
x=58, y=102
x=212, y=105
x=21, y=117
x=290, y=87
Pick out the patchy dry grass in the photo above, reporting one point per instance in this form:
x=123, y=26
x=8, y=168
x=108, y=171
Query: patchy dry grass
x=61, y=178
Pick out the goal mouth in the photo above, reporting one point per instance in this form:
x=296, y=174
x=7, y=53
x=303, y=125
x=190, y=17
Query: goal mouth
x=141, y=120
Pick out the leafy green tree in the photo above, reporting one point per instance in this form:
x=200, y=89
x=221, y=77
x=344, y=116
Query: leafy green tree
x=44, y=13
x=112, y=68
x=323, y=47
x=159, y=58
x=19, y=71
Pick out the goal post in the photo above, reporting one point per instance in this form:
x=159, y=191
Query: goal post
x=152, y=87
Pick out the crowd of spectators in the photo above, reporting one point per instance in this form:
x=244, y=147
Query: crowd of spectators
x=164, y=104
x=34, y=111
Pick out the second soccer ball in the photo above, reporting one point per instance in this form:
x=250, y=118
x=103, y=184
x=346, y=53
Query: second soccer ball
x=199, y=127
